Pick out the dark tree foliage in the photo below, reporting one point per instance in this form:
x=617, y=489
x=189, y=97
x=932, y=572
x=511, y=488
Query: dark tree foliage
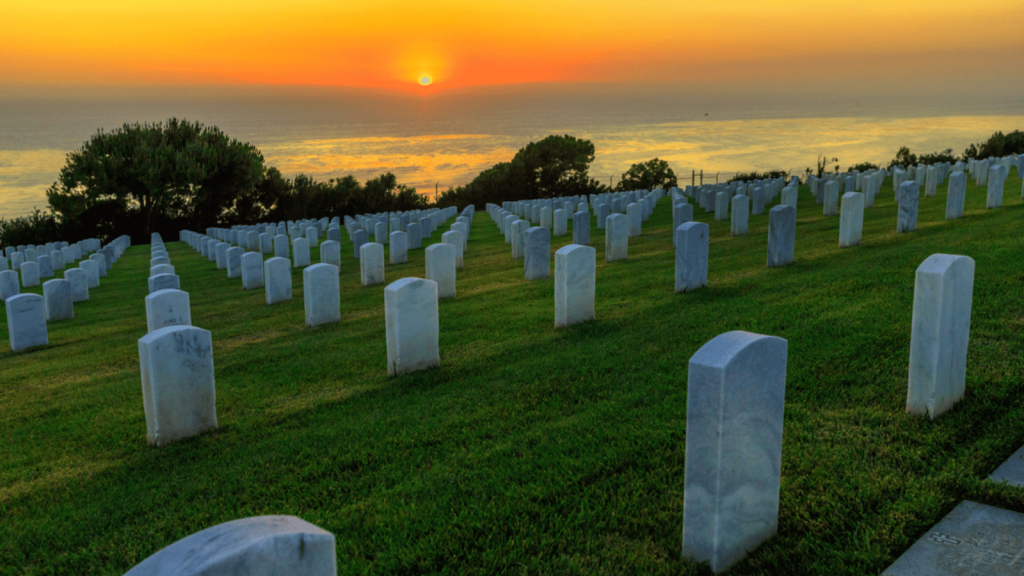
x=863, y=166
x=904, y=157
x=142, y=178
x=304, y=197
x=36, y=228
x=555, y=166
x=749, y=176
x=648, y=175
x=998, y=144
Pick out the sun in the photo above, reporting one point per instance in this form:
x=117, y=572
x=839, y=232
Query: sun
x=425, y=80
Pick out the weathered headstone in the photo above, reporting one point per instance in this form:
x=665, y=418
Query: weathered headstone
x=681, y=214
x=313, y=236
x=575, y=270
x=692, y=240
x=781, y=235
x=256, y=546
x=906, y=218
x=518, y=246
x=45, y=266
x=281, y=246
x=321, y=294
x=277, y=279
x=603, y=211
x=161, y=269
x=234, y=261
x=222, y=255
x=163, y=282
x=300, y=251
x=411, y=322
x=9, y=284
x=581, y=228
x=413, y=236
x=167, y=308
x=633, y=218
x=831, y=200
x=177, y=383
x=29, y=274
x=92, y=272
x=943, y=290
x=371, y=263
x=330, y=253
x=26, y=320
x=252, y=270
x=735, y=398
x=462, y=228
x=722, y=200
x=537, y=251
x=358, y=239
x=758, y=200
x=996, y=183
x=616, y=238
x=560, y=223
x=440, y=268
x=740, y=215
x=851, y=219
x=57, y=302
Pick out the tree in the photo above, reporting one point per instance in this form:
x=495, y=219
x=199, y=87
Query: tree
x=648, y=175
x=145, y=175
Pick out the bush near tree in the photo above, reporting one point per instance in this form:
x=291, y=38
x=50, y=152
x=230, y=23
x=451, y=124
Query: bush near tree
x=655, y=173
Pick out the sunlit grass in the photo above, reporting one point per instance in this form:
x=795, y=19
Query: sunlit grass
x=530, y=449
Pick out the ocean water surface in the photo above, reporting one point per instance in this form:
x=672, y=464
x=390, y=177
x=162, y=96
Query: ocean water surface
x=436, y=142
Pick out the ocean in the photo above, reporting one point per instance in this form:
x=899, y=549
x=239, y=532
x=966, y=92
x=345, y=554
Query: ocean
x=433, y=141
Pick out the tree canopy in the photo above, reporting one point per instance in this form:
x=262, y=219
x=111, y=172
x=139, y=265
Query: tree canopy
x=141, y=174
x=648, y=175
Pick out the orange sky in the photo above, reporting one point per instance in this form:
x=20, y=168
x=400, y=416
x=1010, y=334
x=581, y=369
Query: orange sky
x=459, y=43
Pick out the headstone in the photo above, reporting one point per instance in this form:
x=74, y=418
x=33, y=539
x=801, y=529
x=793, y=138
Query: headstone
x=158, y=261
x=851, y=219
x=161, y=269
x=455, y=240
x=313, y=236
x=831, y=200
x=758, y=201
x=581, y=228
x=972, y=540
x=177, y=383
x=266, y=243
x=414, y=236
x=603, y=211
x=462, y=228
x=358, y=239
x=300, y=250
x=321, y=294
x=281, y=246
x=29, y=274
x=440, y=265
x=92, y=272
x=790, y=196
x=560, y=223
x=781, y=235
x=943, y=290
x=575, y=271
x=260, y=545
x=518, y=246
x=26, y=320
x=252, y=270
x=9, y=284
x=537, y=251
x=45, y=266
x=692, y=240
x=380, y=233
x=168, y=307
x=234, y=260
x=722, y=200
x=222, y=255
x=681, y=214
x=996, y=183
x=411, y=322
x=616, y=238
x=57, y=302
x=956, y=195
x=740, y=215
x=735, y=398
x=58, y=260
x=330, y=253
x=906, y=218
x=163, y=282
x=277, y=279
x=399, y=247
x=371, y=263
x=545, y=217
x=633, y=217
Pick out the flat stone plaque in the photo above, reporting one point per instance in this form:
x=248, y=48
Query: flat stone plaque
x=1011, y=471
x=972, y=540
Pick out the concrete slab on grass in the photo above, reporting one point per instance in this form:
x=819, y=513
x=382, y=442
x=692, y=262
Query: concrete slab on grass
x=1011, y=471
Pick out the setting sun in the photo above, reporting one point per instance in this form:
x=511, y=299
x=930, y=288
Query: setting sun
x=425, y=80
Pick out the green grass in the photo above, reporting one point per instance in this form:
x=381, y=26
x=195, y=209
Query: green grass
x=530, y=450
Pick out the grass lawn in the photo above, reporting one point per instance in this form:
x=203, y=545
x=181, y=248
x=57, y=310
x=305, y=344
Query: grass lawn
x=529, y=450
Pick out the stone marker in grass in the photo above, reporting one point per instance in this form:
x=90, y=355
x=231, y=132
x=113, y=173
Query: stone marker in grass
x=545, y=217
x=581, y=228
x=955, y=196
x=518, y=242
x=161, y=269
x=692, y=240
x=26, y=321
x=681, y=214
x=9, y=284
x=17, y=259
x=735, y=397
x=92, y=271
x=57, y=302
x=163, y=282
x=722, y=200
x=277, y=279
x=371, y=263
x=281, y=246
x=300, y=252
x=996, y=183
x=167, y=308
x=906, y=218
x=264, y=545
x=29, y=274
x=45, y=266
x=380, y=233
x=399, y=247
x=537, y=251
x=222, y=255
x=463, y=228
x=440, y=268
x=321, y=294
x=359, y=238
x=413, y=236
x=455, y=240
x=266, y=242
x=790, y=196
x=575, y=270
x=781, y=235
x=943, y=289
x=740, y=215
x=1011, y=471
x=603, y=211
x=79, y=280
x=252, y=270
x=313, y=236
x=58, y=260
x=758, y=201
x=330, y=253
x=234, y=261
x=177, y=383
x=158, y=261
x=411, y=325
x=616, y=238
x=633, y=219
x=851, y=219
x=972, y=540
x=831, y=199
